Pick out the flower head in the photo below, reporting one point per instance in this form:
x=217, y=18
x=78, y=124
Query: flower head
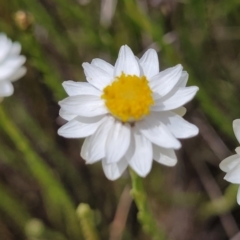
x=11, y=62
x=129, y=113
x=231, y=165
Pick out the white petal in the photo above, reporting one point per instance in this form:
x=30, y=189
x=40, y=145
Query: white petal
x=183, y=79
x=84, y=105
x=181, y=97
x=181, y=111
x=180, y=84
x=233, y=175
x=3, y=38
x=107, y=67
x=6, y=89
x=18, y=74
x=157, y=133
x=7, y=68
x=238, y=151
x=15, y=49
x=80, y=88
x=66, y=115
x=80, y=127
x=114, y=170
x=229, y=163
x=6, y=45
x=238, y=196
x=117, y=142
x=141, y=159
x=164, y=156
x=85, y=150
x=149, y=63
x=179, y=127
x=93, y=148
x=126, y=63
x=236, y=129
x=96, y=76
x=131, y=149
x=163, y=82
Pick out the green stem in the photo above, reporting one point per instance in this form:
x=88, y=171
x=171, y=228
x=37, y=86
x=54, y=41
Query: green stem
x=220, y=205
x=145, y=215
x=87, y=222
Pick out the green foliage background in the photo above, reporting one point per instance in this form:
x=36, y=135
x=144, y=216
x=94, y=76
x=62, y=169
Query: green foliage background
x=42, y=177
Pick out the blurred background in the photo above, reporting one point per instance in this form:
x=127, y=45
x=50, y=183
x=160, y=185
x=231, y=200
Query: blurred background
x=42, y=177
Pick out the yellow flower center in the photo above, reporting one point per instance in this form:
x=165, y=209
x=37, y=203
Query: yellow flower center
x=128, y=98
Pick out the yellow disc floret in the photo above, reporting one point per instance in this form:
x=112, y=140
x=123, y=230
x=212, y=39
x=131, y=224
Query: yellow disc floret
x=128, y=98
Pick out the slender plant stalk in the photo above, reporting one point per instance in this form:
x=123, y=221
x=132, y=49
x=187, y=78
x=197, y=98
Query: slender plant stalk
x=145, y=215
x=87, y=223
x=220, y=205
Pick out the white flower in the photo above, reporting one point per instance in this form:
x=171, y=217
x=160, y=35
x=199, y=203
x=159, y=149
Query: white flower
x=231, y=165
x=11, y=62
x=129, y=113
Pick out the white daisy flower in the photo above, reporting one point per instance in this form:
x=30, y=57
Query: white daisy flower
x=129, y=113
x=11, y=62
x=231, y=165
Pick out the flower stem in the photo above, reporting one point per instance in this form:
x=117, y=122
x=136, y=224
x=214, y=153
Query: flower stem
x=145, y=215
